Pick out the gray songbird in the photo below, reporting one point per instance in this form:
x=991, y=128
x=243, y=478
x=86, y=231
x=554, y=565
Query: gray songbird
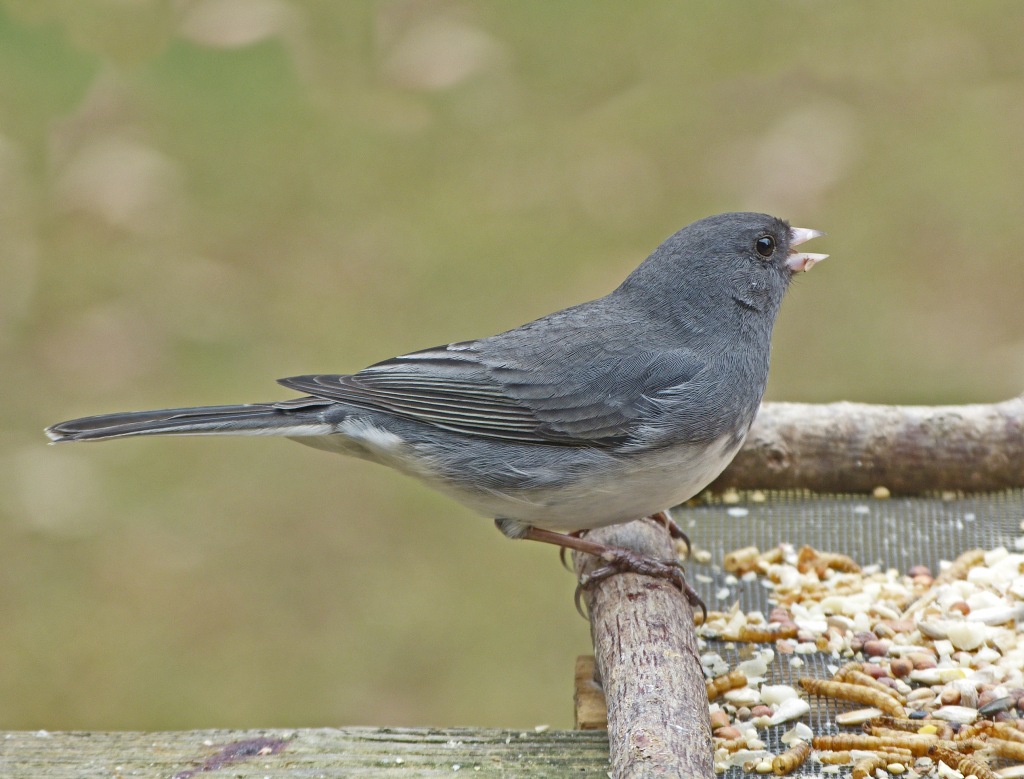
x=601, y=413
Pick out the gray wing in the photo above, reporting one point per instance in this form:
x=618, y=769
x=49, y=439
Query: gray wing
x=580, y=394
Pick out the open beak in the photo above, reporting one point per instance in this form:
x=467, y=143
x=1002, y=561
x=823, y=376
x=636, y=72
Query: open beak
x=802, y=261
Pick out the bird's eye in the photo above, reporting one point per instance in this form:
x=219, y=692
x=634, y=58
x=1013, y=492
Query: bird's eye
x=765, y=245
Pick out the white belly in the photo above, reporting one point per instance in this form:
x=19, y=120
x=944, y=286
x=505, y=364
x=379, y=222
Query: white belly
x=636, y=488
x=609, y=490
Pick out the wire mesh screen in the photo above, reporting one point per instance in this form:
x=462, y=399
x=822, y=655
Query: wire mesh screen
x=893, y=533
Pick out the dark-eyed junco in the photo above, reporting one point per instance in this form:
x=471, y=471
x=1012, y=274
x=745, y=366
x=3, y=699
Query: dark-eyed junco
x=604, y=412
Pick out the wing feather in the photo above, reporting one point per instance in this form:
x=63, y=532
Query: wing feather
x=557, y=397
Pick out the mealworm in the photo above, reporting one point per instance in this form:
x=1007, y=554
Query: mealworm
x=858, y=677
x=890, y=733
x=791, y=760
x=918, y=746
x=894, y=723
x=1012, y=750
x=970, y=731
x=1005, y=731
x=722, y=685
x=833, y=758
x=761, y=634
x=892, y=755
x=866, y=766
x=962, y=763
x=810, y=559
x=969, y=744
x=840, y=675
x=813, y=594
x=732, y=745
x=960, y=568
x=866, y=696
x=739, y=561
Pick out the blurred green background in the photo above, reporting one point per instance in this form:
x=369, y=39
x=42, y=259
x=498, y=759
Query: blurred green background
x=200, y=196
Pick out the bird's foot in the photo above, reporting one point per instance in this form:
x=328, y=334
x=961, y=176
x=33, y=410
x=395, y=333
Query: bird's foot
x=662, y=518
x=617, y=560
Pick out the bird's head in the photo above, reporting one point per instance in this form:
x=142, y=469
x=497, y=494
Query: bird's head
x=735, y=259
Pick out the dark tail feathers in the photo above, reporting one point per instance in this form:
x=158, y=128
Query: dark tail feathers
x=291, y=418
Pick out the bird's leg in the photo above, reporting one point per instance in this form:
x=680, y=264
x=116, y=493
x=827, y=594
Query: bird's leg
x=618, y=560
x=673, y=529
x=561, y=549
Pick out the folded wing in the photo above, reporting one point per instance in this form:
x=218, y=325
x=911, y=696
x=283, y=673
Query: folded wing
x=556, y=397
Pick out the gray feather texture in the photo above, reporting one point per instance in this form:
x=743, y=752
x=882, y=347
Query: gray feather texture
x=600, y=413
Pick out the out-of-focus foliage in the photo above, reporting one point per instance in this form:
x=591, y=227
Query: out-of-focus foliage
x=199, y=196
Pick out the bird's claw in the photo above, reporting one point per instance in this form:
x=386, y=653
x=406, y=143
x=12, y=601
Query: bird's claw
x=686, y=540
x=695, y=601
x=676, y=532
x=578, y=600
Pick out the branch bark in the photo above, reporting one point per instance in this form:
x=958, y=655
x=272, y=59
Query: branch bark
x=855, y=447
x=645, y=646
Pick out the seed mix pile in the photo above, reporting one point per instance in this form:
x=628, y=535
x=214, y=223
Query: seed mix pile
x=932, y=661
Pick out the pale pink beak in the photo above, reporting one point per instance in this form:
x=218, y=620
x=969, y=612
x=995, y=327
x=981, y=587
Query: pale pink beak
x=802, y=261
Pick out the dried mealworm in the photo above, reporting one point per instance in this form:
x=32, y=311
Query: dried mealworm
x=962, y=763
x=866, y=696
x=866, y=766
x=858, y=677
x=892, y=755
x=970, y=744
x=739, y=561
x=917, y=745
x=762, y=634
x=1012, y=750
x=791, y=760
x=895, y=754
x=722, y=685
x=894, y=723
x=811, y=594
x=732, y=745
x=767, y=559
x=810, y=559
x=891, y=733
x=840, y=675
x=970, y=731
x=960, y=568
x=1005, y=731
x=833, y=758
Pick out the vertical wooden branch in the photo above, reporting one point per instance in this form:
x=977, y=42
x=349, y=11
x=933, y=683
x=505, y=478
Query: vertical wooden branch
x=645, y=647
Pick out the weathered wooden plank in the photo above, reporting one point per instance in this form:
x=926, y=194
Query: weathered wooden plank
x=591, y=710
x=313, y=753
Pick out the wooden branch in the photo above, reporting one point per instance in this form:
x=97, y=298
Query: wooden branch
x=645, y=647
x=856, y=447
x=366, y=752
